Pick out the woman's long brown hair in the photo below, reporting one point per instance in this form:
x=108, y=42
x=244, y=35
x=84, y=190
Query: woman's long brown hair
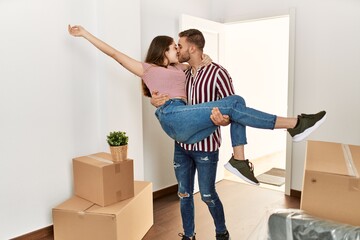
x=156, y=55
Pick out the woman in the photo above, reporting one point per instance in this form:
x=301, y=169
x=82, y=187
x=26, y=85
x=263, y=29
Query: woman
x=161, y=71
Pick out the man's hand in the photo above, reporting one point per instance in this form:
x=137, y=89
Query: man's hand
x=218, y=119
x=158, y=99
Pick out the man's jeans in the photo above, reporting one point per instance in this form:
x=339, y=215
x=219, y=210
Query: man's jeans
x=205, y=163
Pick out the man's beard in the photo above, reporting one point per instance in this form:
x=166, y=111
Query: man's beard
x=184, y=58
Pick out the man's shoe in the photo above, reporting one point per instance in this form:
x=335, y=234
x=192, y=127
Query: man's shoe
x=243, y=169
x=185, y=237
x=307, y=123
x=224, y=236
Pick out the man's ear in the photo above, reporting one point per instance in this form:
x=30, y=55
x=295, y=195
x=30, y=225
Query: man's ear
x=192, y=48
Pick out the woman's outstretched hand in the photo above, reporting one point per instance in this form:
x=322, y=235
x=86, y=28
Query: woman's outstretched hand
x=76, y=30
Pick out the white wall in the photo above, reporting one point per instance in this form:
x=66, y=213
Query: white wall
x=58, y=100
x=327, y=57
x=120, y=91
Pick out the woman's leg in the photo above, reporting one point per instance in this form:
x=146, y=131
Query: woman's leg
x=284, y=122
x=184, y=123
x=192, y=123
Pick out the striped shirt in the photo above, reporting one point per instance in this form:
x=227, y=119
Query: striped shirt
x=210, y=83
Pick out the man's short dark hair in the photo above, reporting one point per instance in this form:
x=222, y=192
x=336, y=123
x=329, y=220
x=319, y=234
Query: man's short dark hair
x=195, y=37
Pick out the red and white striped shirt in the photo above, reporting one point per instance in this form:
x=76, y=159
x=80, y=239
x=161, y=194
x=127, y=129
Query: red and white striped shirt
x=210, y=83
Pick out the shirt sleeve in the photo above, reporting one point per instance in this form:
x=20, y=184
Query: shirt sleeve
x=146, y=67
x=224, y=83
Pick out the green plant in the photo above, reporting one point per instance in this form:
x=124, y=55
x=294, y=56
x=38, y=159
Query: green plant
x=117, y=138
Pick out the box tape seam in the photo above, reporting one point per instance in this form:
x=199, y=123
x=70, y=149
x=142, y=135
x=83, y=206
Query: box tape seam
x=349, y=161
x=100, y=159
x=83, y=212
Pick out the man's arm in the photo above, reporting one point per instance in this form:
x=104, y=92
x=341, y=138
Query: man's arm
x=225, y=89
x=158, y=99
x=218, y=119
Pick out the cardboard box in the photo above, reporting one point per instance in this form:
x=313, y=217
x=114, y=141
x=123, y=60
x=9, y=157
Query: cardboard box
x=77, y=218
x=331, y=187
x=101, y=181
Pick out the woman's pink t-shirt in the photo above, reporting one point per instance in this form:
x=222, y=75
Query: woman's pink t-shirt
x=170, y=80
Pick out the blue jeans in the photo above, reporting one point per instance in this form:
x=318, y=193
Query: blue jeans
x=205, y=163
x=191, y=123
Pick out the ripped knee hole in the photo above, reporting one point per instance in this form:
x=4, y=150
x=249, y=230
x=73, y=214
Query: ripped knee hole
x=182, y=195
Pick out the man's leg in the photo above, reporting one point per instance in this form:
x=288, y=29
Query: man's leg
x=206, y=165
x=185, y=173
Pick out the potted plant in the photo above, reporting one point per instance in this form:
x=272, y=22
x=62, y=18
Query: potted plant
x=118, y=142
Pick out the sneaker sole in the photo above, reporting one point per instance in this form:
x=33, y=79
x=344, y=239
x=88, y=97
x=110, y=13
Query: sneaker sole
x=307, y=132
x=237, y=173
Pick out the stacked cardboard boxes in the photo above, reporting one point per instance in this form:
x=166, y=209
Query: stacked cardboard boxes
x=331, y=188
x=108, y=203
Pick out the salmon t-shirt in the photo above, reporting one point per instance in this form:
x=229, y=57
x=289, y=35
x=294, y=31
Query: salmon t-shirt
x=170, y=80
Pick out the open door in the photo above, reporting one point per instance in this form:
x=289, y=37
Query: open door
x=215, y=34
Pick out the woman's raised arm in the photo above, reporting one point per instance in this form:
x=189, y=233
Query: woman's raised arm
x=127, y=62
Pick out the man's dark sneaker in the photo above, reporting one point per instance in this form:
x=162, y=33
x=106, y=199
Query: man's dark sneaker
x=223, y=236
x=243, y=169
x=307, y=123
x=185, y=237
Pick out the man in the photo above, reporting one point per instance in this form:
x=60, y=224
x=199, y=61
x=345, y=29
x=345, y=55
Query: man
x=204, y=84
